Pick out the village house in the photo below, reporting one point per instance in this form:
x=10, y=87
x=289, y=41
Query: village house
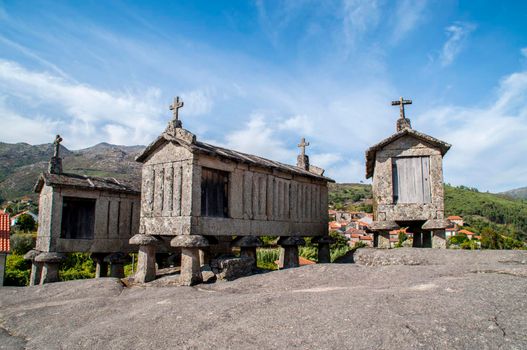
x=4, y=243
x=457, y=220
x=201, y=195
x=408, y=185
x=79, y=213
x=14, y=218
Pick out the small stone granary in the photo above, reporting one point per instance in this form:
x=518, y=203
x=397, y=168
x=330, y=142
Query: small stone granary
x=407, y=185
x=79, y=213
x=204, y=196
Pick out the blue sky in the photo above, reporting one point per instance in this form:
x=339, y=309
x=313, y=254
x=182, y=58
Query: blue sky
x=257, y=76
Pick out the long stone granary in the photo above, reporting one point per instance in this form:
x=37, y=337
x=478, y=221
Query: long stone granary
x=407, y=172
x=191, y=188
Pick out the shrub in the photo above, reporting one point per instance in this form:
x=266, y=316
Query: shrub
x=471, y=244
x=458, y=239
x=310, y=253
x=21, y=243
x=266, y=257
x=26, y=223
x=77, y=266
x=17, y=270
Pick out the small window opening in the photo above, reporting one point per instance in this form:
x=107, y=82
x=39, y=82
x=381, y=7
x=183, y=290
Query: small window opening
x=214, y=193
x=78, y=218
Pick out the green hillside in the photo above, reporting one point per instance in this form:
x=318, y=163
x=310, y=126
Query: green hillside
x=503, y=214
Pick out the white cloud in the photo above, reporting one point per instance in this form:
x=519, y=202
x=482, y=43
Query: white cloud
x=259, y=139
x=198, y=102
x=300, y=124
x=488, y=143
x=408, y=14
x=359, y=17
x=87, y=115
x=457, y=34
x=324, y=160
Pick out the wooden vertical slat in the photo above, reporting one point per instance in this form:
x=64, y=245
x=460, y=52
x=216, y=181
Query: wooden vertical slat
x=425, y=161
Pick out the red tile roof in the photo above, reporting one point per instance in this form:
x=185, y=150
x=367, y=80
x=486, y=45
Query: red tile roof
x=366, y=238
x=467, y=232
x=455, y=217
x=5, y=226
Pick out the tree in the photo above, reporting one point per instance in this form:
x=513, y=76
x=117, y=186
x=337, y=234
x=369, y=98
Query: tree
x=26, y=223
x=490, y=239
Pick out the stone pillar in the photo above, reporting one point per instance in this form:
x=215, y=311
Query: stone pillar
x=2, y=268
x=101, y=266
x=324, y=253
x=204, y=256
x=382, y=232
x=289, y=251
x=436, y=228
x=36, y=268
x=117, y=261
x=248, y=245
x=383, y=240
x=50, y=266
x=190, y=260
x=418, y=240
x=427, y=239
x=439, y=239
x=146, y=258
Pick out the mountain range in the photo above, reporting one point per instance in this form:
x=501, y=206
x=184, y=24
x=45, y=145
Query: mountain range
x=21, y=164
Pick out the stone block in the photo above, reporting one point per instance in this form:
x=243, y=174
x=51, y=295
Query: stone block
x=232, y=268
x=439, y=239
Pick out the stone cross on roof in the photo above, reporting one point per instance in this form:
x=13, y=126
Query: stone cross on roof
x=56, y=144
x=303, y=144
x=175, y=110
x=401, y=104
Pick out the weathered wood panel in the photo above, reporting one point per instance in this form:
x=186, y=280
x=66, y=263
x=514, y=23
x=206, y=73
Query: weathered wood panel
x=411, y=180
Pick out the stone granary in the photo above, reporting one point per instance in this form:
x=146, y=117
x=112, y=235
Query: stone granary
x=407, y=185
x=79, y=213
x=203, y=195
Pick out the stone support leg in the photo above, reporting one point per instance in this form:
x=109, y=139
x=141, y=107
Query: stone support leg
x=50, y=272
x=36, y=272
x=101, y=266
x=418, y=240
x=117, y=269
x=289, y=257
x=190, y=267
x=427, y=239
x=249, y=252
x=439, y=239
x=101, y=269
x=146, y=264
x=383, y=240
x=324, y=253
x=204, y=256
